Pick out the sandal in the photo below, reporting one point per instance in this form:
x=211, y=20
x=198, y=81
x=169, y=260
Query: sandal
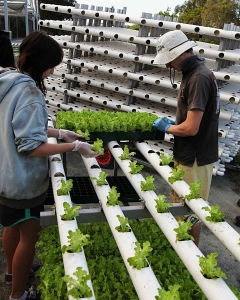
x=236, y=221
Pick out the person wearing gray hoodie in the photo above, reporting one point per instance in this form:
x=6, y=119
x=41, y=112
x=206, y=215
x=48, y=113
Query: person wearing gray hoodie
x=24, y=152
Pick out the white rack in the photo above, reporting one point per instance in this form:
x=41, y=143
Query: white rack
x=111, y=68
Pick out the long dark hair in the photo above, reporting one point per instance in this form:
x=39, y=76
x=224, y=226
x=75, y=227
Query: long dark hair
x=6, y=52
x=37, y=53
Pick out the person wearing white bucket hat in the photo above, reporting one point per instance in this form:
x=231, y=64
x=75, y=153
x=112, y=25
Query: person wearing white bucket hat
x=195, y=129
x=170, y=46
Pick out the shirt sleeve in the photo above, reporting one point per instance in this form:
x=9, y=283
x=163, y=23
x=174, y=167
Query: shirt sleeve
x=30, y=126
x=198, y=92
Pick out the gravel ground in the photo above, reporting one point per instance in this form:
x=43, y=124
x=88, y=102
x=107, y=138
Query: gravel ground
x=225, y=192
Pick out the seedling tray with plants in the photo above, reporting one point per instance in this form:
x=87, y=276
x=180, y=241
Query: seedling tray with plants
x=109, y=126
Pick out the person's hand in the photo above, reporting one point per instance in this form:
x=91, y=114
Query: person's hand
x=84, y=149
x=68, y=136
x=162, y=124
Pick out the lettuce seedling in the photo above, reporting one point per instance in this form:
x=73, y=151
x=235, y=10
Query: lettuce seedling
x=76, y=241
x=113, y=197
x=98, y=146
x=172, y=294
x=177, y=174
x=126, y=154
x=148, y=185
x=162, y=206
x=105, y=121
x=195, y=189
x=85, y=134
x=139, y=261
x=101, y=180
x=135, y=169
x=235, y=291
x=215, y=214
x=78, y=288
x=208, y=266
x=123, y=227
x=166, y=160
x=182, y=231
x=70, y=212
x=65, y=188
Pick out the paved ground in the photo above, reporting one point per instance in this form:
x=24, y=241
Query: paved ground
x=225, y=191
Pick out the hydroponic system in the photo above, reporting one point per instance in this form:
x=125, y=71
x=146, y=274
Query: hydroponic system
x=108, y=67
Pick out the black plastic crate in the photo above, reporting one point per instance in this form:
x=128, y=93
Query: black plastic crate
x=127, y=136
x=83, y=191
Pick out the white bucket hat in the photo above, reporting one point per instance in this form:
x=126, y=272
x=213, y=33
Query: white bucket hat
x=171, y=45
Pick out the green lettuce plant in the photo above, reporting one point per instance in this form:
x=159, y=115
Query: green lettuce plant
x=124, y=226
x=101, y=180
x=112, y=198
x=76, y=240
x=139, y=261
x=171, y=294
x=183, y=231
x=135, y=169
x=148, y=185
x=208, y=266
x=161, y=204
x=78, y=288
x=126, y=153
x=215, y=214
x=98, y=146
x=65, y=188
x=166, y=159
x=70, y=212
x=177, y=174
x=195, y=189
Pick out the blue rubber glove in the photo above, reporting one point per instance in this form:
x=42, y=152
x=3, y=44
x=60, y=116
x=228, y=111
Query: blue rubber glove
x=162, y=124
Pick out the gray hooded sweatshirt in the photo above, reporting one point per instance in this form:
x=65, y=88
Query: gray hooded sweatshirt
x=23, y=127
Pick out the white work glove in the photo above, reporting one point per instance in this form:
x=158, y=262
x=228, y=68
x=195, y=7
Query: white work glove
x=68, y=136
x=84, y=149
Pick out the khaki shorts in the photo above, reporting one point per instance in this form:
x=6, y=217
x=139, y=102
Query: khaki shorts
x=191, y=175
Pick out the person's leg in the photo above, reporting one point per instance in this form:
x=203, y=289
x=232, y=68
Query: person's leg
x=23, y=255
x=191, y=175
x=10, y=240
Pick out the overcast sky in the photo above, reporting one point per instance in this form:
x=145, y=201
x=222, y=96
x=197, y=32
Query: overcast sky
x=135, y=7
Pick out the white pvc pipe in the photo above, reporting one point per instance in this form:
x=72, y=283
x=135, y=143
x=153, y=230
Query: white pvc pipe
x=70, y=260
x=223, y=96
x=187, y=250
x=96, y=83
x=227, y=76
x=146, y=79
x=144, y=280
x=133, y=92
x=147, y=22
x=223, y=231
x=113, y=104
x=134, y=76
x=229, y=97
x=96, y=31
x=116, y=105
x=99, y=100
x=216, y=54
x=107, y=52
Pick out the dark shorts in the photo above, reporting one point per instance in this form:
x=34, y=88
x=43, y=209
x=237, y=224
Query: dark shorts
x=12, y=216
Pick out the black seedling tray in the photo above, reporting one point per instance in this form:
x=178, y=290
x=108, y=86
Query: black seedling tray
x=127, y=136
x=83, y=191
